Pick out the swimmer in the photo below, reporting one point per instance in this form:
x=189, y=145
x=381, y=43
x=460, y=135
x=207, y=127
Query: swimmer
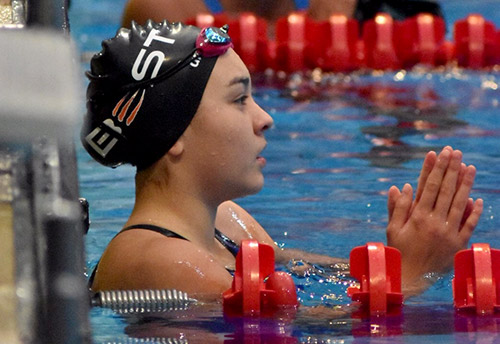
x=174, y=10
x=177, y=104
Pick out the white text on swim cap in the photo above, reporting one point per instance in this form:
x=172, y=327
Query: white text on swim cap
x=153, y=35
x=101, y=140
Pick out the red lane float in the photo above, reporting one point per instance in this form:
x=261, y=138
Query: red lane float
x=257, y=289
x=291, y=42
x=421, y=39
x=378, y=269
x=475, y=42
x=343, y=52
x=378, y=38
x=254, y=45
x=476, y=284
x=336, y=44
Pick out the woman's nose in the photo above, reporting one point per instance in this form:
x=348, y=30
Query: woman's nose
x=262, y=120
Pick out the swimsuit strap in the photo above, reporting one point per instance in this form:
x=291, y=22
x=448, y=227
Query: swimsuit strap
x=228, y=243
x=157, y=229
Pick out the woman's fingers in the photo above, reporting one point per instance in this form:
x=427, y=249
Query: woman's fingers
x=449, y=185
x=463, y=167
x=427, y=165
x=461, y=198
x=392, y=197
x=401, y=209
x=434, y=181
x=468, y=210
x=471, y=222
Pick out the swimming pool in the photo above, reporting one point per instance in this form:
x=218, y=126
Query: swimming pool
x=329, y=166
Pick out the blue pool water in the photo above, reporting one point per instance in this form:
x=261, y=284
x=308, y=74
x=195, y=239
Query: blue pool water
x=326, y=180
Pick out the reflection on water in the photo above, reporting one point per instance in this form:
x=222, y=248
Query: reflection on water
x=207, y=324
x=400, y=105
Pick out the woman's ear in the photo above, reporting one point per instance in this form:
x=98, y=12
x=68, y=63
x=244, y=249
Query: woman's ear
x=177, y=149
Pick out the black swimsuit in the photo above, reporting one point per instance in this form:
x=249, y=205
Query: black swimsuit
x=229, y=244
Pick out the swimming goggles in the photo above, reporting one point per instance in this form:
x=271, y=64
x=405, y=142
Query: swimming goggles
x=213, y=41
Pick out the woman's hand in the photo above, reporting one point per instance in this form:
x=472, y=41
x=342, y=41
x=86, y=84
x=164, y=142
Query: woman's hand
x=439, y=222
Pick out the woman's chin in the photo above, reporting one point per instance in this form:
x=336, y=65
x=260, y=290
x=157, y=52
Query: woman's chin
x=254, y=187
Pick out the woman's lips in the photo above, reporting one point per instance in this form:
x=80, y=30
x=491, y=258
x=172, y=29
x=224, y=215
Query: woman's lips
x=261, y=160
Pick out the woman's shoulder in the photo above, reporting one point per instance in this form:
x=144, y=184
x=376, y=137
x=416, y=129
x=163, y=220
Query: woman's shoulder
x=236, y=223
x=139, y=259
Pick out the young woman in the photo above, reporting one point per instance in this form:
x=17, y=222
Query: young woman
x=177, y=103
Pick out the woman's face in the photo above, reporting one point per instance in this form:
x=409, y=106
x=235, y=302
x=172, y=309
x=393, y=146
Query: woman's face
x=226, y=137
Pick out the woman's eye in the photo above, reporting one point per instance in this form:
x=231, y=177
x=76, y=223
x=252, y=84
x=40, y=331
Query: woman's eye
x=241, y=100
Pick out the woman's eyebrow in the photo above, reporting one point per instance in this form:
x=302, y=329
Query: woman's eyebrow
x=245, y=81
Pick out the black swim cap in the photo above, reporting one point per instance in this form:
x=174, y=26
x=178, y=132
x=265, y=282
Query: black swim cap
x=145, y=86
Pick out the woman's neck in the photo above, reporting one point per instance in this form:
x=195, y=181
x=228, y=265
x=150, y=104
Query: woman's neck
x=177, y=209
